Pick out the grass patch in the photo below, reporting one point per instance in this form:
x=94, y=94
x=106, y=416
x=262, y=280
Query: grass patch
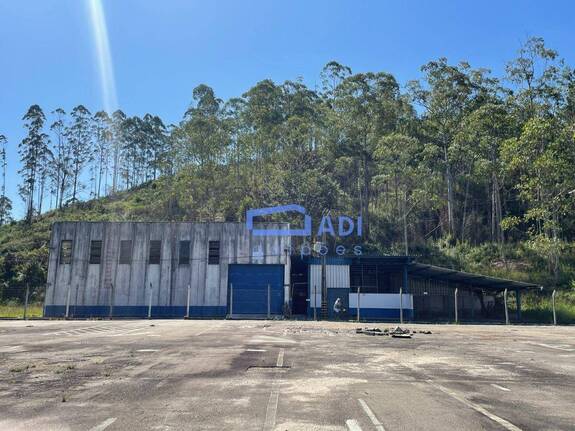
x=16, y=311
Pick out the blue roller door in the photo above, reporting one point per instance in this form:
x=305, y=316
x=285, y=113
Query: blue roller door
x=250, y=289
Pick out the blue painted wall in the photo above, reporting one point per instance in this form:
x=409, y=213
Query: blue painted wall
x=250, y=289
x=87, y=311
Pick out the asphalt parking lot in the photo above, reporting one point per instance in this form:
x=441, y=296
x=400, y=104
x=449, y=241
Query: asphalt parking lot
x=280, y=375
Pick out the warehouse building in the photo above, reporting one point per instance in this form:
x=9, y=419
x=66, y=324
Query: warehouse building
x=134, y=269
x=211, y=270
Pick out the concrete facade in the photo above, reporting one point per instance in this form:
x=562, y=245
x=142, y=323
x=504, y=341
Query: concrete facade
x=124, y=289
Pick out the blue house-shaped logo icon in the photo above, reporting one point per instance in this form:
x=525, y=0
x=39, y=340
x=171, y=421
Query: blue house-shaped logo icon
x=250, y=214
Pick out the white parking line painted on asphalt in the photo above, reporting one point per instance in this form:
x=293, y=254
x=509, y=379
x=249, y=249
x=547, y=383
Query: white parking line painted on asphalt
x=504, y=423
x=272, y=408
x=374, y=420
x=352, y=425
x=549, y=346
x=256, y=350
x=147, y=350
x=104, y=425
x=500, y=387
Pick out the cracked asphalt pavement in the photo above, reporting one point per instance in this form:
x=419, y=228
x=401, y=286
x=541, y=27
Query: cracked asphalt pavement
x=283, y=375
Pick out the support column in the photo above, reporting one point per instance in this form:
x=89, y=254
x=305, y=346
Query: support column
x=518, y=304
x=553, y=306
x=505, y=305
x=456, y=307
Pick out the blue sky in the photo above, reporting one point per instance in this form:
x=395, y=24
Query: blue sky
x=161, y=50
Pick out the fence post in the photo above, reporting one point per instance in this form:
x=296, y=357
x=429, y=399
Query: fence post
x=269, y=301
x=553, y=305
x=68, y=302
x=150, y=303
x=111, y=307
x=231, y=300
x=188, y=303
x=505, y=303
x=314, y=302
x=401, y=304
x=26, y=302
x=456, y=310
x=358, y=307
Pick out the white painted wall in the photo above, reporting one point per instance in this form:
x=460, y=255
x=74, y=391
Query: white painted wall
x=380, y=300
x=336, y=276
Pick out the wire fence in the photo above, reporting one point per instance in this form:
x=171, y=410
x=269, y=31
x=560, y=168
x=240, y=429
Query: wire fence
x=429, y=305
x=22, y=302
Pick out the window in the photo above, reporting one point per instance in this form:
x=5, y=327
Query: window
x=213, y=252
x=184, y=257
x=95, y=252
x=126, y=252
x=374, y=278
x=155, y=252
x=65, y=252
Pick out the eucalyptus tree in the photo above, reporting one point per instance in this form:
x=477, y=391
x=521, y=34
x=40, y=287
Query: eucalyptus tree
x=400, y=166
x=33, y=151
x=156, y=146
x=102, y=125
x=79, y=135
x=447, y=93
x=61, y=168
x=118, y=138
x=5, y=202
x=536, y=74
x=202, y=135
x=480, y=140
x=543, y=156
x=364, y=108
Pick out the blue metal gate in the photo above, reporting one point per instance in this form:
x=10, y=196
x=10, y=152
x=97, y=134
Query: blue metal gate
x=248, y=289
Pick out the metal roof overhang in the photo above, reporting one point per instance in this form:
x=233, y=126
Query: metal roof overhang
x=475, y=280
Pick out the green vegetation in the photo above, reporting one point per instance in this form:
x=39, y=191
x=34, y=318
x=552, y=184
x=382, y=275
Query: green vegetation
x=15, y=310
x=459, y=168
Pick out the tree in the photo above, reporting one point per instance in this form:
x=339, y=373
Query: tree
x=103, y=139
x=536, y=72
x=400, y=164
x=483, y=132
x=543, y=156
x=365, y=107
x=118, y=121
x=33, y=151
x=61, y=168
x=5, y=203
x=447, y=94
x=79, y=136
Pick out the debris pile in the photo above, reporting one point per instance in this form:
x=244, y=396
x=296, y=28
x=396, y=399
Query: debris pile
x=396, y=332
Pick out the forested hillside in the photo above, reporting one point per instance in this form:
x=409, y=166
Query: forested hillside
x=460, y=167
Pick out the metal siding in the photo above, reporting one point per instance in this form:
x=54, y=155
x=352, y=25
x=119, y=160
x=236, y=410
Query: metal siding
x=138, y=281
x=209, y=287
x=123, y=274
x=52, y=264
x=336, y=276
x=199, y=264
x=212, y=284
x=182, y=273
x=250, y=288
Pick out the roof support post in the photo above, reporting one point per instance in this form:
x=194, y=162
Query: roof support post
x=405, y=278
x=400, y=304
x=518, y=304
x=505, y=304
x=553, y=305
x=456, y=310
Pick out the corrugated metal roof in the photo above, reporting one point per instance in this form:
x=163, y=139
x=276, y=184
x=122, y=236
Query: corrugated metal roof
x=446, y=274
